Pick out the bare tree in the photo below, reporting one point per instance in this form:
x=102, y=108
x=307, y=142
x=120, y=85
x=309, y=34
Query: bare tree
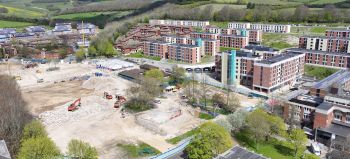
x=13, y=113
x=301, y=13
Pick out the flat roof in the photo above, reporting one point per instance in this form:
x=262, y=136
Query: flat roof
x=308, y=100
x=184, y=45
x=339, y=77
x=241, y=53
x=233, y=35
x=238, y=152
x=339, y=30
x=279, y=58
x=325, y=106
x=317, y=51
x=324, y=37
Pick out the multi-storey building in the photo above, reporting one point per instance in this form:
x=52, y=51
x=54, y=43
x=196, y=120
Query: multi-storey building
x=86, y=28
x=330, y=44
x=179, y=23
x=272, y=28
x=62, y=28
x=156, y=48
x=206, y=35
x=338, y=33
x=273, y=73
x=255, y=36
x=236, y=41
x=265, y=52
x=235, y=67
x=325, y=107
x=323, y=58
x=184, y=53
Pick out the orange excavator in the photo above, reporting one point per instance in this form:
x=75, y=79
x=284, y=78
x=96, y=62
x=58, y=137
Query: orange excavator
x=75, y=105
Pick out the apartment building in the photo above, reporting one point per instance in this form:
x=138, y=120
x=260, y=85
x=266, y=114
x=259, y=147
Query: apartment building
x=273, y=73
x=239, y=25
x=338, y=33
x=184, y=53
x=155, y=48
x=179, y=23
x=236, y=41
x=86, y=28
x=325, y=106
x=260, y=50
x=62, y=28
x=329, y=44
x=324, y=59
x=255, y=36
x=205, y=35
x=270, y=28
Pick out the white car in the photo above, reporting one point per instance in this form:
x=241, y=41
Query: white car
x=315, y=149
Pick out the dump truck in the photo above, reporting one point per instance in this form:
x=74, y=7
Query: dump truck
x=120, y=101
x=107, y=95
x=75, y=105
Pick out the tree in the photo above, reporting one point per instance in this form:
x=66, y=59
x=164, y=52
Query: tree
x=3, y=10
x=63, y=52
x=92, y=51
x=41, y=147
x=301, y=13
x=211, y=140
x=218, y=99
x=237, y=119
x=13, y=113
x=80, y=54
x=232, y=102
x=298, y=139
x=81, y=150
x=155, y=74
x=311, y=156
x=258, y=126
x=242, y=2
x=33, y=129
x=178, y=75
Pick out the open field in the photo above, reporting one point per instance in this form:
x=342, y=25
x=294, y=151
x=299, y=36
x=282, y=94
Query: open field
x=13, y=24
x=92, y=15
x=21, y=12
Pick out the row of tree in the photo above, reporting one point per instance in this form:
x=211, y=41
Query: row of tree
x=260, y=13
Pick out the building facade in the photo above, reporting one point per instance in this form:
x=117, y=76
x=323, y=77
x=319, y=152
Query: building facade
x=156, y=48
x=270, y=28
x=179, y=22
x=184, y=53
x=329, y=44
x=233, y=41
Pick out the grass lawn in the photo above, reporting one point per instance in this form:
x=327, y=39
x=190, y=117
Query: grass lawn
x=280, y=45
x=206, y=116
x=321, y=30
x=227, y=48
x=277, y=41
x=140, y=150
x=273, y=149
x=14, y=24
x=318, y=72
x=21, y=12
x=219, y=24
x=177, y=139
x=141, y=55
x=92, y=15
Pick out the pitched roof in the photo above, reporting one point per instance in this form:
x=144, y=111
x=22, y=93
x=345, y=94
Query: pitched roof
x=4, y=153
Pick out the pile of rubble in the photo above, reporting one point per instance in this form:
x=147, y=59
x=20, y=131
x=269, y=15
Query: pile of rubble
x=89, y=106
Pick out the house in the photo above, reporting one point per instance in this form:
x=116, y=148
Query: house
x=86, y=28
x=37, y=30
x=62, y=28
x=4, y=153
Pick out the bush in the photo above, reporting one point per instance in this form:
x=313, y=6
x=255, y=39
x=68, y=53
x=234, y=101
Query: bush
x=3, y=10
x=33, y=129
x=80, y=149
x=41, y=147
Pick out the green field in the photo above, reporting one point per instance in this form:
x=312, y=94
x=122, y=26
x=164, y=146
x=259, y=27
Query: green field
x=21, y=12
x=141, y=55
x=140, y=150
x=277, y=41
x=13, y=24
x=205, y=116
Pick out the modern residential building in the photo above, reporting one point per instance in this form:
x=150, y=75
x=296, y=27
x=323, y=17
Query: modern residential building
x=338, y=33
x=255, y=36
x=205, y=35
x=156, y=48
x=260, y=50
x=271, y=28
x=235, y=67
x=236, y=41
x=38, y=30
x=329, y=44
x=278, y=71
x=184, y=53
x=179, y=22
x=86, y=28
x=324, y=59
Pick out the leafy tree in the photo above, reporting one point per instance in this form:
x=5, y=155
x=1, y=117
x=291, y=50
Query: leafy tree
x=41, y=147
x=298, y=139
x=237, y=119
x=80, y=54
x=109, y=50
x=240, y=2
x=211, y=140
x=232, y=102
x=92, y=51
x=63, y=53
x=156, y=74
x=258, y=126
x=178, y=75
x=225, y=124
x=81, y=150
x=218, y=99
x=33, y=129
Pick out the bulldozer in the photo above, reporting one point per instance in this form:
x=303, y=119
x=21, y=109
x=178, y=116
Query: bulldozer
x=75, y=105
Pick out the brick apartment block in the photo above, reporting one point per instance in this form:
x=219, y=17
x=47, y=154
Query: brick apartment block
x=255, y=36
x=233, y=41
x=329, y=44
x=155, y=48
x=179, y=22
x=271, y=28
x=338, y=33
x=184, y=53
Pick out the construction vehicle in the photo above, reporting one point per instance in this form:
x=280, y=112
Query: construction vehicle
x=120, y=101
x=40, y=80
x=75, y=105
x=18, y=78
x=107, y=95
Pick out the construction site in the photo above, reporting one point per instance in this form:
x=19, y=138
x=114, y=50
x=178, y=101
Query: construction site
x=84, y=101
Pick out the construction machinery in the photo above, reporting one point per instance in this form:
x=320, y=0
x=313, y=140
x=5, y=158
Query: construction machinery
x=120, y=101
x=75, y=105
x=107, y=95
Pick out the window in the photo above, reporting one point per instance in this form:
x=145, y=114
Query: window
x=347, y=118
x=337, y=115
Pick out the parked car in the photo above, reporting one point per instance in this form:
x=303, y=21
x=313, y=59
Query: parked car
x=315, y=149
